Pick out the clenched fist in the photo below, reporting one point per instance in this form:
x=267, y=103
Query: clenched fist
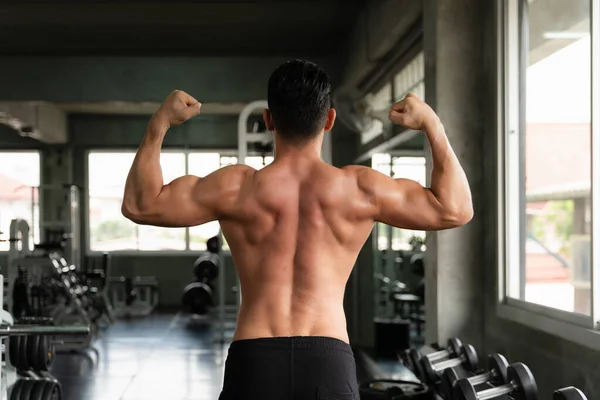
x=412, y=113
x=177, y=108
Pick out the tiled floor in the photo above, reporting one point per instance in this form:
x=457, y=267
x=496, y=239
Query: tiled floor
x=159, y=357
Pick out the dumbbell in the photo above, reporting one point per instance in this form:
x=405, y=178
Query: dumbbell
x=468, y=360
x=568, y=393
x=452, y=350
x=496, y=375
x=521, y=386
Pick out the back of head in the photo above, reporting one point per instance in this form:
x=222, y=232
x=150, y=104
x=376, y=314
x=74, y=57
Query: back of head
x=299, y=97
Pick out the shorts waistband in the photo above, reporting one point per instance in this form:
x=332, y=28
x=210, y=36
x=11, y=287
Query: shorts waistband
x=311, y=343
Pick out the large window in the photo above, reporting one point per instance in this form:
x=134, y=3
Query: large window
x=110, y=231
x=547, y=163
x=410, y=167
x=20, y=172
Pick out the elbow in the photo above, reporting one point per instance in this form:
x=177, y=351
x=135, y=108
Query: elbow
x=459, y=216
x=128, y=211
x=132, y=213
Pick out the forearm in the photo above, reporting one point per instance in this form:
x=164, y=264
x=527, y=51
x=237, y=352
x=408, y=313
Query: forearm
x=145, y=181
x=448, y=180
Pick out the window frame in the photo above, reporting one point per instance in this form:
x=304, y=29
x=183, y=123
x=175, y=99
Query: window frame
x=581, y=329
x=40, y=193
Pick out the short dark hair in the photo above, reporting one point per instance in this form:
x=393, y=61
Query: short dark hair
x=299, y=97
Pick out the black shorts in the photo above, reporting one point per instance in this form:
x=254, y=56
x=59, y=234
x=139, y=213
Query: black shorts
x=290, y=368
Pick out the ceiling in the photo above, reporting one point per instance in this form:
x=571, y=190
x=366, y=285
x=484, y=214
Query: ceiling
x=207, y=28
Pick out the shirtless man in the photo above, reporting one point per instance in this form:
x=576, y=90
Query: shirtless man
x=295, y=229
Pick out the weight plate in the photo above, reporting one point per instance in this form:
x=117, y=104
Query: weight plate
x=429, y=374
x=197, y=298
x=463, y=390
x=37, y=393
x=454, y=346
x=32, y=352
x=206, y=267
x=52, y=391
x=23, y=359
x=449, y=376
x=213, y=245
x=471, y=361
x=568, y=393
x=15, y=393
x=522, y=376
x=45, y=354
x=26, y=389
x=498, y=365
x=13, y=351
x=413, y=362
x=407, y=360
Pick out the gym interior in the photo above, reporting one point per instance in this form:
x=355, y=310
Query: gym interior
x=507, y=306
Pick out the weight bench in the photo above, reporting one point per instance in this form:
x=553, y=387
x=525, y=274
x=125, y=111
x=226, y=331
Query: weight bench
x=134, y=297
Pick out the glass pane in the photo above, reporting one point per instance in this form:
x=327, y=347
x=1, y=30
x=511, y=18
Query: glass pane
x=225, y=161
x=109, y=230
x=154, y=238
x=408, y=168
x=202, y=164
x=20, y=171
x=381, y=163
x=257, y=162
x=557, y=152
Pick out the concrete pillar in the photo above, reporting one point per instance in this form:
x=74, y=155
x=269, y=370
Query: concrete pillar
x=453, y=39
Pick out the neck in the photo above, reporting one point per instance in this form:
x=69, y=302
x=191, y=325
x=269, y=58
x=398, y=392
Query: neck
x=307, y=150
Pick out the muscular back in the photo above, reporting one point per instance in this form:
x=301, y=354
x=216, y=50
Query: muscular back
x=296, y=227
x=294, y=238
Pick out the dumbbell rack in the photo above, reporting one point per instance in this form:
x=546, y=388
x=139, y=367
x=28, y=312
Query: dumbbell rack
x=491, y=383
